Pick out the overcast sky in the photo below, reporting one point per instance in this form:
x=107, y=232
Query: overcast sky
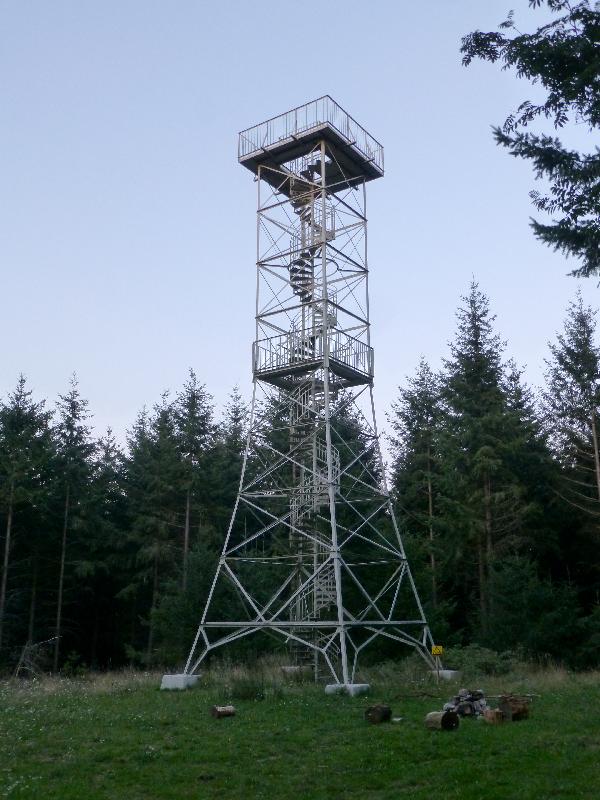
x=127, y=228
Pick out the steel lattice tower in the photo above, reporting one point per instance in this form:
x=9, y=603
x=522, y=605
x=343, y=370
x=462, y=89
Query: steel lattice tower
x=313, y=554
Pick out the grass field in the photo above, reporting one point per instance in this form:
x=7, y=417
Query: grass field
x=117, y=736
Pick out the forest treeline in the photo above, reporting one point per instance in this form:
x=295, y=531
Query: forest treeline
x=108, y=552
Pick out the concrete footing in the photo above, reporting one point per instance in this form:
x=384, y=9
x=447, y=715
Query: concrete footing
x=178, y=682
x=353, y=689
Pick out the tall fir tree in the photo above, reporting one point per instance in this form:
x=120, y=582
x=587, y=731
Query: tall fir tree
x=416, y=422
x=561, y=58
x=571, y=407
x=25, y=462
x=155, y=486
x=99, y=565
x=486, y=503
x=226, y=460
x=74, y=453
x=572, y=401
x=193, y=413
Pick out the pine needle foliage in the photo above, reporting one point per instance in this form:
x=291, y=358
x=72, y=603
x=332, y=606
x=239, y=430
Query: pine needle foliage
x=563, y=58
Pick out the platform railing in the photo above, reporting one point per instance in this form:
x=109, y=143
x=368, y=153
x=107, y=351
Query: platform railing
x=304, y=118
x=291, y=350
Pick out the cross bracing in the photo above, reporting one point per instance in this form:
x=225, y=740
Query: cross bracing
x=313, y=554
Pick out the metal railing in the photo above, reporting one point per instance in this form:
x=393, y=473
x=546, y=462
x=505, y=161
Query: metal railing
x=324, y=111
x=290, y=350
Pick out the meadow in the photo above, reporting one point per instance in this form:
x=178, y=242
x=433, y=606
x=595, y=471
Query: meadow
x=116, y=735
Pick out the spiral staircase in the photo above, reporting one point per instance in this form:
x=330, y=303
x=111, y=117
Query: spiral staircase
x=315, y=585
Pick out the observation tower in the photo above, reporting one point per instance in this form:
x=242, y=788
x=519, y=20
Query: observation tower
x=313, y=555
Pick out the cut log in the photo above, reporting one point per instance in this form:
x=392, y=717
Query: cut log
x=514, y=707
x=493, y=716
x=377, y=714
x=222, y=711
x=442, y=720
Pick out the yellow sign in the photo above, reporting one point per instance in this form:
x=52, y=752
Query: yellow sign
x=437, y=650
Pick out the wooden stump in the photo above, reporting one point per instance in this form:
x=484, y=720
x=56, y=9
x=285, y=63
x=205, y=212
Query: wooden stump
x=493, y=716
x=442, y=720
x=514, y=708
x=222, y=711
x=377, y=714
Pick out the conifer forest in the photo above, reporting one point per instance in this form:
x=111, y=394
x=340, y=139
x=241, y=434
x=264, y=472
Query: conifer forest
x=108, y=548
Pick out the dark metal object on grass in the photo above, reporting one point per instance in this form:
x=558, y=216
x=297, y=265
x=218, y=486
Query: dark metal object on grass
x=378, y=713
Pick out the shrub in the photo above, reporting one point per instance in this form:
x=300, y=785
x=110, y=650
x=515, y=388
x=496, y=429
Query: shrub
x=477, y=660
x=248, y=687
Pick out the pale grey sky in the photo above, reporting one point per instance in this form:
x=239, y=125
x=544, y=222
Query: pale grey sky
x=127, y=227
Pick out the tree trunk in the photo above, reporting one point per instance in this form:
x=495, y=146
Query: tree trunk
x=94, y=648
x=596, y=456
x=186, y=539
x=3, y=585
x=430, y=513
x=152, y=607
x=482, y=593
x=61, y=580
x=33, y=599
x=487, y=557
x=489, y=545
x=133, y=633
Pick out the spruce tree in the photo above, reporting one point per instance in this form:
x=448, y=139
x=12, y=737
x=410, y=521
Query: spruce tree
x=528, y=459
x=226, y=460
x=571, y=406
x=155, y=481
x=194, y=428
x=136, y=469
x=572, y=400
x=484, y=495
x=74, y=452
x=99, y=565
x=25, y=455
x=416, y=422
x=561, y=58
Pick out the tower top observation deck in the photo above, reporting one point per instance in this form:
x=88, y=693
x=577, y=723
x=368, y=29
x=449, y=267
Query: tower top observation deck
x=294, y=134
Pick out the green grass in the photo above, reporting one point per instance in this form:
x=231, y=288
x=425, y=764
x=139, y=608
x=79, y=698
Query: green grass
x=119, y=737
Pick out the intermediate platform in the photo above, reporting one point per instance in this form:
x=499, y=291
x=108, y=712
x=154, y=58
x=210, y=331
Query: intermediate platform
x=281, y=358
x=356, y=155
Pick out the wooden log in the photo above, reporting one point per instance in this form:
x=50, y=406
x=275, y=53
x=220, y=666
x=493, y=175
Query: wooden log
x=442, y=720
x=377, y=714
x=222, y=711
x=514, y=707
x=493, y=716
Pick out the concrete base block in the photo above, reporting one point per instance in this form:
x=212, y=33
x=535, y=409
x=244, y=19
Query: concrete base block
x=353, y=689
x=447, y=674
x=178, y=682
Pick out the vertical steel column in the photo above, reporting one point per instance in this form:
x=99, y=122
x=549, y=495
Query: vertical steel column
x=335, y=550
